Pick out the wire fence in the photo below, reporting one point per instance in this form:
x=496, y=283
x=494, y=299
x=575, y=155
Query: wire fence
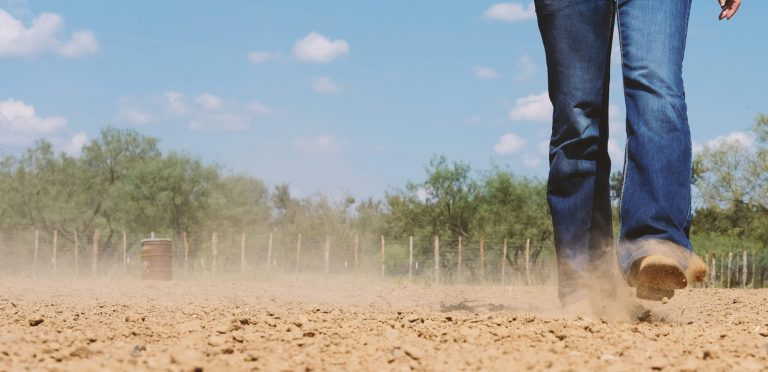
x=261, y=255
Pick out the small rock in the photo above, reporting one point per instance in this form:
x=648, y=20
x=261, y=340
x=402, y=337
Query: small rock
x=644, y=316
x=413, y=318
x=81, y=352
x=709, y=354
x=132, y=318
x=657, y=364
x=250, y=357
x=414, y=353
x=227, y=350
x=763, y=333
x=216, y=341
x=308, y=334
x=35, y=322
x=302, y=321
x=664, y=301
x=223, y=328
x=137, y=349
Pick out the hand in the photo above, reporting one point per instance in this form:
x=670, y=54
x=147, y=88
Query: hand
x=729, y=8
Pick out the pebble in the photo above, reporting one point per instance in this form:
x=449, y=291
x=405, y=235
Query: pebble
x=216, y=341
x=81, y=352
x=35, y=322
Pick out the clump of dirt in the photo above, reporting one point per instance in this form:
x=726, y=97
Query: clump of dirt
x=357, y=325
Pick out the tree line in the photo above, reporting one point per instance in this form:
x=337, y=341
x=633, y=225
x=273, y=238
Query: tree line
x=122, y=181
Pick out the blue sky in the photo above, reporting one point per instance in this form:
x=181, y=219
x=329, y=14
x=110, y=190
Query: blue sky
x=332, y=96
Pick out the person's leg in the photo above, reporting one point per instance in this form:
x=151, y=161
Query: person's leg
x=577, y=37
x=656, y=199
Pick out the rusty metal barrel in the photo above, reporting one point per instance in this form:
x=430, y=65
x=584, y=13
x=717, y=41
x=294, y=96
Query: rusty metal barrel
x=157, y=259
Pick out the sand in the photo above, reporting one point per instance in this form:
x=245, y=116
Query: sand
x=313, y=324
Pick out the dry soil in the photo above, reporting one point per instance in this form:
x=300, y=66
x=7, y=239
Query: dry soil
x=314, y=324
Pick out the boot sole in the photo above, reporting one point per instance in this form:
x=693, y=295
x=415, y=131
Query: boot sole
x=658, y=277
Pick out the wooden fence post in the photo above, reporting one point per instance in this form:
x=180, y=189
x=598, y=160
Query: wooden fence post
x=77, y=254
x=527, y=261
x=54, y=253
x=34, y=259
x=504, y=264
x=728, y=279
x=382, y=255
x=186, y=251
x=762, y=269
x=722, y=272
x=242, y=253
x=269, y=253
x=298, y=253
x=327, y=261
x=214, y=251
x=752, y=282
x=482, y=260
x=437, y=259
x=125, y=252
x=713, y=271
x=410, y=259
x=95, y=254
x=744, y=269
x=458, y=269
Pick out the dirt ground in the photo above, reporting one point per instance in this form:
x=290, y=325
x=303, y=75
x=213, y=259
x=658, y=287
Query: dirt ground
x=313, y=324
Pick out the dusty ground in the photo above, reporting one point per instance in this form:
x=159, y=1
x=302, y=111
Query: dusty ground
x=316, y=325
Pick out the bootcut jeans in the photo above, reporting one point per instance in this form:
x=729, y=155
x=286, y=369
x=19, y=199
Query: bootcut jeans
x=656, y=196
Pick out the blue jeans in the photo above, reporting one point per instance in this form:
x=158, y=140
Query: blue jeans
x=656, y=198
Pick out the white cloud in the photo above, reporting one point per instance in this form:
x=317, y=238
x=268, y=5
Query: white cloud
x=133, y=115
x=259, y=108
x=511, y=12
x=508, y=144
x=531, y=161
x=261, y=56
x=325, y=85
x=206, y=112
x=209, y=101
x=485, y=73
x=20, y=124
x=324, y=143
x=526, y=69
x=535, y=107
x=43, y=36
x=82, y=43
x=175, y=102
x=219, y=121
x=736, y=138
x=74, y=146
x=317, y=48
